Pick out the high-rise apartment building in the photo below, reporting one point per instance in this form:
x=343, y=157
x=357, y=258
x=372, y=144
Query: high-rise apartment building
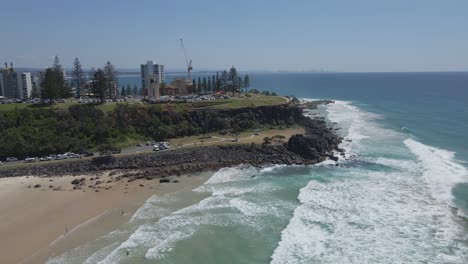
x=152, y=76
x=14, y=84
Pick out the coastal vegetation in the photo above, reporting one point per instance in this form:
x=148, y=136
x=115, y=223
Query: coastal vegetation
x=228, y=82
x=41, y=131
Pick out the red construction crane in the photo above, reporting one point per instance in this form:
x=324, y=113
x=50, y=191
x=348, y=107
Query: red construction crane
x=188, y=61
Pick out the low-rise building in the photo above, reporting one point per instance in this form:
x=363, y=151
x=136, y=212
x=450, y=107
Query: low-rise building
x=182, y=84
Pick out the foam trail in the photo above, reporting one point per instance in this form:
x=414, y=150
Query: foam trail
x=442, y=173
x=375, y=214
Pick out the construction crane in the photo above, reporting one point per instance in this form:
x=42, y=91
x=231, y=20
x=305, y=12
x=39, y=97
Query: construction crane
x=188, y=61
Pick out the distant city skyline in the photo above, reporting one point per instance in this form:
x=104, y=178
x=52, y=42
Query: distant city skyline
x=343, y=36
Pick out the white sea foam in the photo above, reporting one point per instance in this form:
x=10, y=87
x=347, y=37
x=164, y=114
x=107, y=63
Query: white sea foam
x=377, y=216
x=372, y=217
x=442, y=173
x=155, y=207
x=229, y=205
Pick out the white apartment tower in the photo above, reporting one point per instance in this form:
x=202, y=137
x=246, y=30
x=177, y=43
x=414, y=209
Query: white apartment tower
x=152, y=76
x=14, y=84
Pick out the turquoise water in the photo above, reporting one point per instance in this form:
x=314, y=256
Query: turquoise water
x=400, y=196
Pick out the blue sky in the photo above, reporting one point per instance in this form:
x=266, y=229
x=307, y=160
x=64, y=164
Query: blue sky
x=373, y=35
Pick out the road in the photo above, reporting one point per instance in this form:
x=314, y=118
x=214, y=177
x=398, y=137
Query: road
x=143, y=149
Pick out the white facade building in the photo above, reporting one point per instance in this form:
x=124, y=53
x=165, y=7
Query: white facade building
x=14, y=84
x=152, y=76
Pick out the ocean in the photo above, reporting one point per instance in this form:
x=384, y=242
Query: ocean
x=401, y=196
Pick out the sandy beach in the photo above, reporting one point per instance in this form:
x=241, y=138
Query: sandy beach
x=42, y=222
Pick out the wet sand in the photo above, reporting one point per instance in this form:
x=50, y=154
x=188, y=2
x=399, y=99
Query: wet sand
x=39, y=223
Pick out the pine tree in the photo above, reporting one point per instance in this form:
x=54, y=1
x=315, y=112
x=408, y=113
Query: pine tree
x=135, y=90
x=246, y=83
x=122, y=92
x=128, y=90
x=205, y=86
x=209, y=84
x=218, y=83
x=232, y=77
x=78, y=77
x=53, y=85
x=57, y=66
x=199, y=85
x=224, y=80
x=35, y=91
x=99, y=84
x=239, y=83
x=111, y=80
x=213, y=84
x=194, y=86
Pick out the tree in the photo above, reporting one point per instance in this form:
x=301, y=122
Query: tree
x=239, y=83
x=111, y=80
x=194, y=86
x=232, y=77
x=135, y=90
x=246, y=83
x=205, y=85
x=57, y=66
x=209, y=84
x=99, y=84
x=53, y=85
x=35, y=91
x=128, y=90
x=122, y=92
x=213, y=84
x=218, y=82
x=78, y=77
x=199, y=85
x=90, y=76
x=224, y=80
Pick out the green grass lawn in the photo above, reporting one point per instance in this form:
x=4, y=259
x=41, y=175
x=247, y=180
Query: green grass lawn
x=253, y=100
x=10, y=107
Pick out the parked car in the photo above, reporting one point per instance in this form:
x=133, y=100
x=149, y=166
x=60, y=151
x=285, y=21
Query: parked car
x=155, y=148
x=30, y=160
x=61, y=157
x=1, y=163
x=85, y=153
x=45, y=159
x=11, y=159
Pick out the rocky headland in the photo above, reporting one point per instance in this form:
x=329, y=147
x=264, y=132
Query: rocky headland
x=317, y=144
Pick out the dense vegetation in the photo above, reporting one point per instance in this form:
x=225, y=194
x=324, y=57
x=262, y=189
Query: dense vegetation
x=42, y=131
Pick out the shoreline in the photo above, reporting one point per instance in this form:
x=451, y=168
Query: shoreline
x=42, y=223
x=87, y=197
